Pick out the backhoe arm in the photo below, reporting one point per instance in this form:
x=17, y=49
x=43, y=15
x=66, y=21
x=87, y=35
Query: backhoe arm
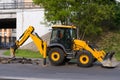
x=21, y=40
x=41, y=45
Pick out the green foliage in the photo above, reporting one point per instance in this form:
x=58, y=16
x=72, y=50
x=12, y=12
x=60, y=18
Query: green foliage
x=25, y=53
x=117, y=16
x=110, y=41
x=89, y=15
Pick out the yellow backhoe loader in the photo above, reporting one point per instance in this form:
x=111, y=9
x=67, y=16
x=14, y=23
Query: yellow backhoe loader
x=65, y=46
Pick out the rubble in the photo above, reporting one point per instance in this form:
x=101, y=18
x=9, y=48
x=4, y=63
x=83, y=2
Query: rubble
x=5, y=60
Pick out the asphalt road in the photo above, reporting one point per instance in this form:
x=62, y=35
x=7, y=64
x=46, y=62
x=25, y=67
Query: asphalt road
x=67, y=72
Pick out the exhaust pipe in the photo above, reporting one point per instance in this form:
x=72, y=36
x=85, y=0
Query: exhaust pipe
x=109, y=60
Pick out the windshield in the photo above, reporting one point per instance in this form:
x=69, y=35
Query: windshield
x=73, y=33
x=63, y=36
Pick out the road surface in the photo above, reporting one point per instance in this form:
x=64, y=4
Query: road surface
x=67, y=72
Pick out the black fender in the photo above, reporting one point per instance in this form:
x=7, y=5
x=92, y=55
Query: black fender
x=54, y=45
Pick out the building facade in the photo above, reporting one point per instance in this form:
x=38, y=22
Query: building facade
x=26, y=13
x=8, y=35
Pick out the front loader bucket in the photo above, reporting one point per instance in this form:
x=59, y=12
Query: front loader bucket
x=109, y=60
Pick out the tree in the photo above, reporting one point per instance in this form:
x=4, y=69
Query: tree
x=88, y=15
x=117, y=16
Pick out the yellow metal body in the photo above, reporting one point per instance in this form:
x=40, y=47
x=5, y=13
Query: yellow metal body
x=41, y=45
x=80, y=45
x=63, y=26
x=24, y=36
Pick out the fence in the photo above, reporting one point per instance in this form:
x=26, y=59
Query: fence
x=18, y=5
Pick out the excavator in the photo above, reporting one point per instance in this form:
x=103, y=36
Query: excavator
x=64, y=46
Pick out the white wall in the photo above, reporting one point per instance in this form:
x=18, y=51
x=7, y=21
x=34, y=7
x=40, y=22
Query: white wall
x=31, y=17
x=10, y=1
x=6, y=1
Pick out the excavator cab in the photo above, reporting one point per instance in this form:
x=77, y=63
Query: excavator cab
x=63, y=36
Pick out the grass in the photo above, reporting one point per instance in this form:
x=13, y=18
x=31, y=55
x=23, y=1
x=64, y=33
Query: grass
x=25, y=53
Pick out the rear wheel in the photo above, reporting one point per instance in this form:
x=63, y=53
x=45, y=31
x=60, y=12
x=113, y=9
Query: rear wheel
x=84, y=59
x=56, y=56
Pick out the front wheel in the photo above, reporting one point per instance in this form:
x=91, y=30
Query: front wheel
x=56, y=56
x=84, y=59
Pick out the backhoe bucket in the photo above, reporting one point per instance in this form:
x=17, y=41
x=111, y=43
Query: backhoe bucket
x=109, y=60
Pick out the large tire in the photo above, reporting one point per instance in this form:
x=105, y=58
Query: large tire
x=56, y=56
x=84, y=59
